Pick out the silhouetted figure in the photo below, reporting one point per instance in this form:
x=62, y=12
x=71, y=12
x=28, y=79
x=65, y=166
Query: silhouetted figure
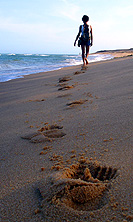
x=85, y=40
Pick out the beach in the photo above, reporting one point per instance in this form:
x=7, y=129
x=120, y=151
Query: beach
x=56, y=123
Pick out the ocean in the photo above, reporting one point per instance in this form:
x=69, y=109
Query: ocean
x=14, y=66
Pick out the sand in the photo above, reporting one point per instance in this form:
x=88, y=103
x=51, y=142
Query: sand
x=118, y=53
x=66, y=155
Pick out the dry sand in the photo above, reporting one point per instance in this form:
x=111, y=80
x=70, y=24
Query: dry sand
x=118, y=53
x=66, y=154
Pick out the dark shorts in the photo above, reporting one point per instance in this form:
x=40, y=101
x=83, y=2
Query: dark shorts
x=85, y=43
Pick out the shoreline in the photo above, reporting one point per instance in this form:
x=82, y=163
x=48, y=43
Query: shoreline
x=114, y=53
x=89, y=113
x=54, y=69
x=116, y=56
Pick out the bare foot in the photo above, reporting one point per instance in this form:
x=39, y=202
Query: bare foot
x=86, y=61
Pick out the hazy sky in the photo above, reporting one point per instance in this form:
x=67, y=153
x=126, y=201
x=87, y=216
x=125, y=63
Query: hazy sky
x=43, y=26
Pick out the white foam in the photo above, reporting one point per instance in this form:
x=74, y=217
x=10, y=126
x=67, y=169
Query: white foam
x=71, y=62
x=11, y=54
x=44, y=55
x=71, y=56
x=27, y=54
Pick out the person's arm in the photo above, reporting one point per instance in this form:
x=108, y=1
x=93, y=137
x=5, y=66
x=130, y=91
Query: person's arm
x=77, y=36
x=91, y=35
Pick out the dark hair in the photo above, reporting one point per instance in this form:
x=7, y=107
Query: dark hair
x=85, y=18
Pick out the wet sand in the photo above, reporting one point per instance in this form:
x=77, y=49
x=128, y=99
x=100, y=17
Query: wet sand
x=66, y=152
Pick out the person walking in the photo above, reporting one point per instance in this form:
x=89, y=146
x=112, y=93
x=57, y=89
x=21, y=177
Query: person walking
x=86, y=39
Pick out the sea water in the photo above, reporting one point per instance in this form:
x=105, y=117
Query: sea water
x=14, y=66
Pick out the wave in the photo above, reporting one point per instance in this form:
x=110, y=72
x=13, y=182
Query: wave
x=72, y=56
x=43, y=55
x=99, y=57
x=24, y=64
x=34, y=54
x=71, y=62
x=27, y=54
x=11, y=54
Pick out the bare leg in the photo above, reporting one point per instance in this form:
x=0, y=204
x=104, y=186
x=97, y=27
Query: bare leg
x=87, y=53
x=87, y=50
x=83, y=54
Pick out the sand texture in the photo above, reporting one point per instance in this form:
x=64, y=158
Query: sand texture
x=66, y=145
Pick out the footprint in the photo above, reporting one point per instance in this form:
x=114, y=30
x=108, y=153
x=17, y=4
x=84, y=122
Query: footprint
x=37, y=100
x=50, y=127
x=40, y=139
x=84, y=68
x=45, y=133
x=78, y=72
x=30, y=135
x=54, y=134
x=85, y=193
x=83, y=186
x=77, y=102
x=64, y=79
x=66, y=87
x=62, y=84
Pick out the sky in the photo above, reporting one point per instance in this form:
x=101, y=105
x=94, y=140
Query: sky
x=50, y=27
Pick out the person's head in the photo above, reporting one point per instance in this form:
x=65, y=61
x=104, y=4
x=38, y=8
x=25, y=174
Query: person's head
x=85, y=18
